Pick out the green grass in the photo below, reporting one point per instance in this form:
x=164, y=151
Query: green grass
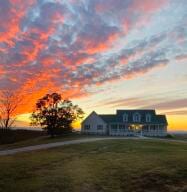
x=180, y=136
x=38, y=139
x=113, y=165
x=12, y=136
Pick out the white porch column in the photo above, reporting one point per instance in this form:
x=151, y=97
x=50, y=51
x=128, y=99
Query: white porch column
x=157, y=130
x=127, y=129
x=118, y=129
x=149, y=130
x=109, y=129
x=141, y=133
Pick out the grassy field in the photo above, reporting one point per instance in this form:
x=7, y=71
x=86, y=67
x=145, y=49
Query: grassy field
x=115, y=165
x=180, y=136
x=21, y=138
x=13, y=136
x=40, y=138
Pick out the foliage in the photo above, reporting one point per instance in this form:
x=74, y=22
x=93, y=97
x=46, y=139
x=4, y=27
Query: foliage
x=55, y=114
x=170, y=136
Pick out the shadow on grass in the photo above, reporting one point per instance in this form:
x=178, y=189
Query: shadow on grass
x=13, y=136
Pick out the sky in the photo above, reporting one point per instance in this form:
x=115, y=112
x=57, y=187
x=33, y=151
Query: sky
x=101, y=54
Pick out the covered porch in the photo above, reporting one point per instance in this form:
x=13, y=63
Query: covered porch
x=137, y=130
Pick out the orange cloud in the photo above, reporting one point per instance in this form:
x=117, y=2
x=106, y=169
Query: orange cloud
x=94, y=45
x=42, y=83
x=38, y=45
x=11, y=28
x=2, y=71
x=47, y=47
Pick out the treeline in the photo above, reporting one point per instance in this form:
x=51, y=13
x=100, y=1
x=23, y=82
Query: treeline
x=52, y=113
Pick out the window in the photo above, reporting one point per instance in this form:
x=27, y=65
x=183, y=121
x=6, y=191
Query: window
x=125, y=117
x=153, y=127
x=122, y=127
x=99, y=127
x=148, y=118
x=114, y=127
x=136, y=117
x=145, y=128
x=161, y=127
x=87, y=127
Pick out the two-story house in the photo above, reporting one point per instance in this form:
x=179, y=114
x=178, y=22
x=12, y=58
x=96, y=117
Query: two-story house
x=126, y=123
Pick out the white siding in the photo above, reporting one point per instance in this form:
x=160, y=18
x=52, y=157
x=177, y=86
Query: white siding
x=94, y=124
x=93, y=121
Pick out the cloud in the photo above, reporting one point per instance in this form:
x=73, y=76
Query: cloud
x=158, y=103
x=181, y=57
x=127, y=102
x=174, y=104
x=181, y=112
x=95, y=74
x=148, y=6
x=124, y=8
x=96, y=39
x=68, y=46
x=11, y=14
x=2, y=71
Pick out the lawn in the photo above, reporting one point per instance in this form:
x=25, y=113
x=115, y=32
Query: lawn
x=113, y=165
x=180, y=136
x=36, y=138
x=11, y=136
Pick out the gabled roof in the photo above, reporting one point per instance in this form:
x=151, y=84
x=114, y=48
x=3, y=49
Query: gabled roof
x=162, y=119
x=140, y=111
x=118, y=118
x=108, y=118
x=92, y=113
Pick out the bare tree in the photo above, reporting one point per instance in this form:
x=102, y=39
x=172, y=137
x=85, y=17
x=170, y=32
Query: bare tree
x=9, y=101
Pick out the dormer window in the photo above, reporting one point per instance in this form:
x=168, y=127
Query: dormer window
x=125, y=117
x=148, y=118
x=136, y=117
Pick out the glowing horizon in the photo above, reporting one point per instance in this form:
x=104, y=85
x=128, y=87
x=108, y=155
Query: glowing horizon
x=175, y=122
x=126, y=54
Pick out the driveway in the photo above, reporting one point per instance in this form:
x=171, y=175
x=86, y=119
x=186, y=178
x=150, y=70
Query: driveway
x=78, y=141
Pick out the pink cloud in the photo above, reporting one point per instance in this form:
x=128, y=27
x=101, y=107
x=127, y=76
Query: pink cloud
x=147, y=6
x=181, y=57
x=43, y=51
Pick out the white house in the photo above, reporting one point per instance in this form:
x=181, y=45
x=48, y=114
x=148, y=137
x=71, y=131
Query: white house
x=126, y=123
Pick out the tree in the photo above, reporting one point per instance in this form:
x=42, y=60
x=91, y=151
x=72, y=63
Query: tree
x=55, y=114
x=9, y=101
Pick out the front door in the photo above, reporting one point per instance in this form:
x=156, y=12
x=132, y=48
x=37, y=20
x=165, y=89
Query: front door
x=136, y=129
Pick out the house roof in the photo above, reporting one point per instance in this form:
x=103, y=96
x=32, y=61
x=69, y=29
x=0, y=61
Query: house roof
x=108, y=118
x=162, y=118
x=118, y=118
x=140, y=111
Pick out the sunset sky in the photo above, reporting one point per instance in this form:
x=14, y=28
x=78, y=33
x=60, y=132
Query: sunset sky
x=101, y=54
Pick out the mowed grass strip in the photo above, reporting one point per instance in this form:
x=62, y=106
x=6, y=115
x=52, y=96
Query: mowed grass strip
x=43, y=140
x=180, y=136
x=113, y=165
